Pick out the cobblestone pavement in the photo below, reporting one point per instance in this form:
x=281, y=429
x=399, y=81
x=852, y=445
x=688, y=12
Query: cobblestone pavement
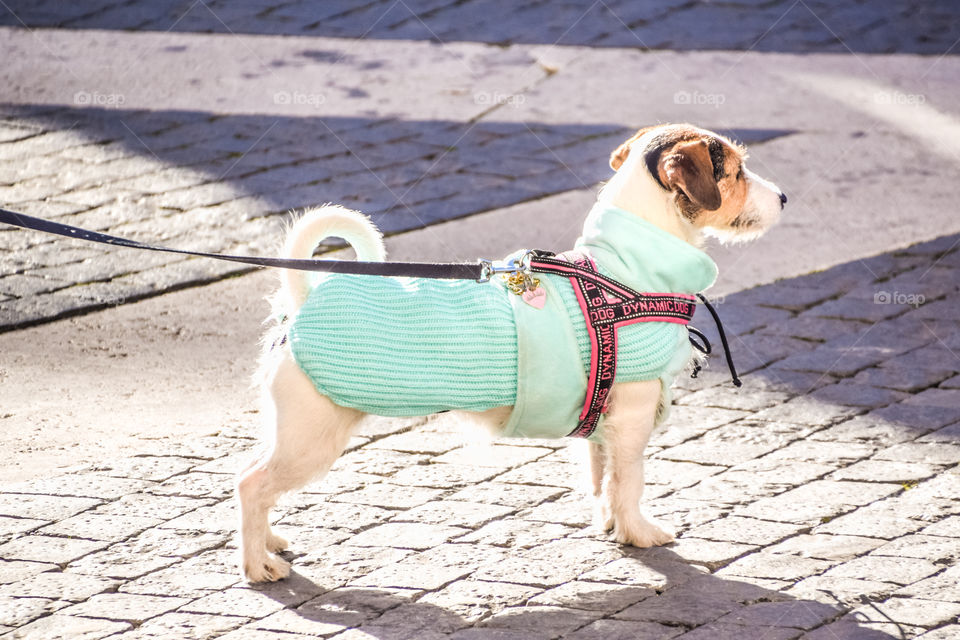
x=800, y=26
x=408, y=131
x=820, y=501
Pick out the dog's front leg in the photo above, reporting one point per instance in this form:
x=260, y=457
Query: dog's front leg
x=627, y=429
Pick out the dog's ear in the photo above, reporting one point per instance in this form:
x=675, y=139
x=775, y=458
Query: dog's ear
x=619, y=156
x=688, y=168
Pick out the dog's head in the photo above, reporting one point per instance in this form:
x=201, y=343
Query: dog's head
x=712, y=189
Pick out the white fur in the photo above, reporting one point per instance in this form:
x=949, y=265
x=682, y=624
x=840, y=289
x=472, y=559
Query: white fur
x=309, y=432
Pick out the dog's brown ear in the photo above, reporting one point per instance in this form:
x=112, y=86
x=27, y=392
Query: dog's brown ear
x=619, y=156
x=688, y=168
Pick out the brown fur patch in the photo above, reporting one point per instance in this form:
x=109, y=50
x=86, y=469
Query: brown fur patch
x=716, y=157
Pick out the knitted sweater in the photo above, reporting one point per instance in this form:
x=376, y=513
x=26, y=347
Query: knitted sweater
x=411, y=346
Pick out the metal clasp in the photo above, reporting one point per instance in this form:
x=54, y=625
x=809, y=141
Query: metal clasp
x=520, y=266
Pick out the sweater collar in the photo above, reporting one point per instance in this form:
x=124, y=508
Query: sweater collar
x=643, y=256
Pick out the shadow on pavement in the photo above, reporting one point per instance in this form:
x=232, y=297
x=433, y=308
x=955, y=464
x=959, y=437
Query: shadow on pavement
x=644, y=593
x=778, y=25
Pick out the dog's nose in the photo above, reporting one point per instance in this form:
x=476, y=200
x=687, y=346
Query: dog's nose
x=783, y=199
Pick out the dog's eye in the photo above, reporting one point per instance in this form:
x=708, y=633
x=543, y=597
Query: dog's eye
x=740, y=172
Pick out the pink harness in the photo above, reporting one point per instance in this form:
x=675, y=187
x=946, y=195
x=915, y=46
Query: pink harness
x=607, y=305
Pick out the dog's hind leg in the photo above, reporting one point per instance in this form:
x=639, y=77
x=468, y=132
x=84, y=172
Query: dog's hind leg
x=310, y=434
x=627, y=430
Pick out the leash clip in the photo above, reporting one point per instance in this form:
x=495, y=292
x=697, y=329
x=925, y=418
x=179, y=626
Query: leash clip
x=518, y=267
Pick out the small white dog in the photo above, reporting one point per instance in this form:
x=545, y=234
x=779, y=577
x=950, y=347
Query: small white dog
x=519, y=364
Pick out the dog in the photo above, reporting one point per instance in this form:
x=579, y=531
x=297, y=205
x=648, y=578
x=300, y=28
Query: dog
x=672, y=185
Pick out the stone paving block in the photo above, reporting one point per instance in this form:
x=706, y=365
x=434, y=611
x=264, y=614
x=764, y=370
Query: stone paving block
x=751, y=400
x=10, y=527
x=146, y=505
x=518, y=533
x=858, y=395
x=902, y=378
x=182, y=580
x=749, y=531
x=827, y=547
x=43, y=507
x=68, y=586
x=849, y=591
x=495, y=455
x=592, y=596
x=939, y=453
x=886, y=521
x=124, y=606
x=547, y=474
x=351, y=606
x=389, y=496
x=422, y=442
x=571, y=509
x=941, y=586
x=195, y=485
x=18, y=611
x=893, y=569
x=152, y=468
x=472, y=600
x=383, y=463
x=235, y=601
x=49, y=549
x=912, y=611
x=214, y=518
x=353, y=517
x=16, y=570
x=510, y=495
x=443, y=476
x=886, y=471
x=776, y=566
x=188, y=626
x=943, y=633
x=804, y=410
x=458, y=514
x=725, y=631
x=949, y=527
x=822, y=452
x=817, y=501
x=120, y=561
x=294, y=622
x=95, y=526
x=870, y=428
x=539, y=619
x=406, y=536
x=935, y=548
x=538, y=566
x=65, y=627
x=606, y=629
x=795, y=614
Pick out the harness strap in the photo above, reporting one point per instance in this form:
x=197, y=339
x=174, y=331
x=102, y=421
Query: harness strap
x=608, y=305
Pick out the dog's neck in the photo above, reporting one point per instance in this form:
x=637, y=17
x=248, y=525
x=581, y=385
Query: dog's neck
x=633, y=189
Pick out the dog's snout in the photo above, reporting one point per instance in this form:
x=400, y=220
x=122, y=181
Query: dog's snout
x=783, y=199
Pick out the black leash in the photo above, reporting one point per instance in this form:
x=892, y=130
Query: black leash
x=481, y=271
x=448, y=271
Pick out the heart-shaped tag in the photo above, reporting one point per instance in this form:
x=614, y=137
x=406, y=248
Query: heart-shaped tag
x=535, y=297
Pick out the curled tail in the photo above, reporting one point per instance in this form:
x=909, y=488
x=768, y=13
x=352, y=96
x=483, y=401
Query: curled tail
x=312, y=228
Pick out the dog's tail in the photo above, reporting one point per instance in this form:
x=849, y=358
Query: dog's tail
x=316, y=225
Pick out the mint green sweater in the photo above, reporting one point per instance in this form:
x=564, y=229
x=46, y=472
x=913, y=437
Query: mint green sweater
x=411, y=346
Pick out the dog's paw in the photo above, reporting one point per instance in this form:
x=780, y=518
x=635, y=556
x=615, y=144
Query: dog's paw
x=268, y=568
x=275, y=543
x=642, y=533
